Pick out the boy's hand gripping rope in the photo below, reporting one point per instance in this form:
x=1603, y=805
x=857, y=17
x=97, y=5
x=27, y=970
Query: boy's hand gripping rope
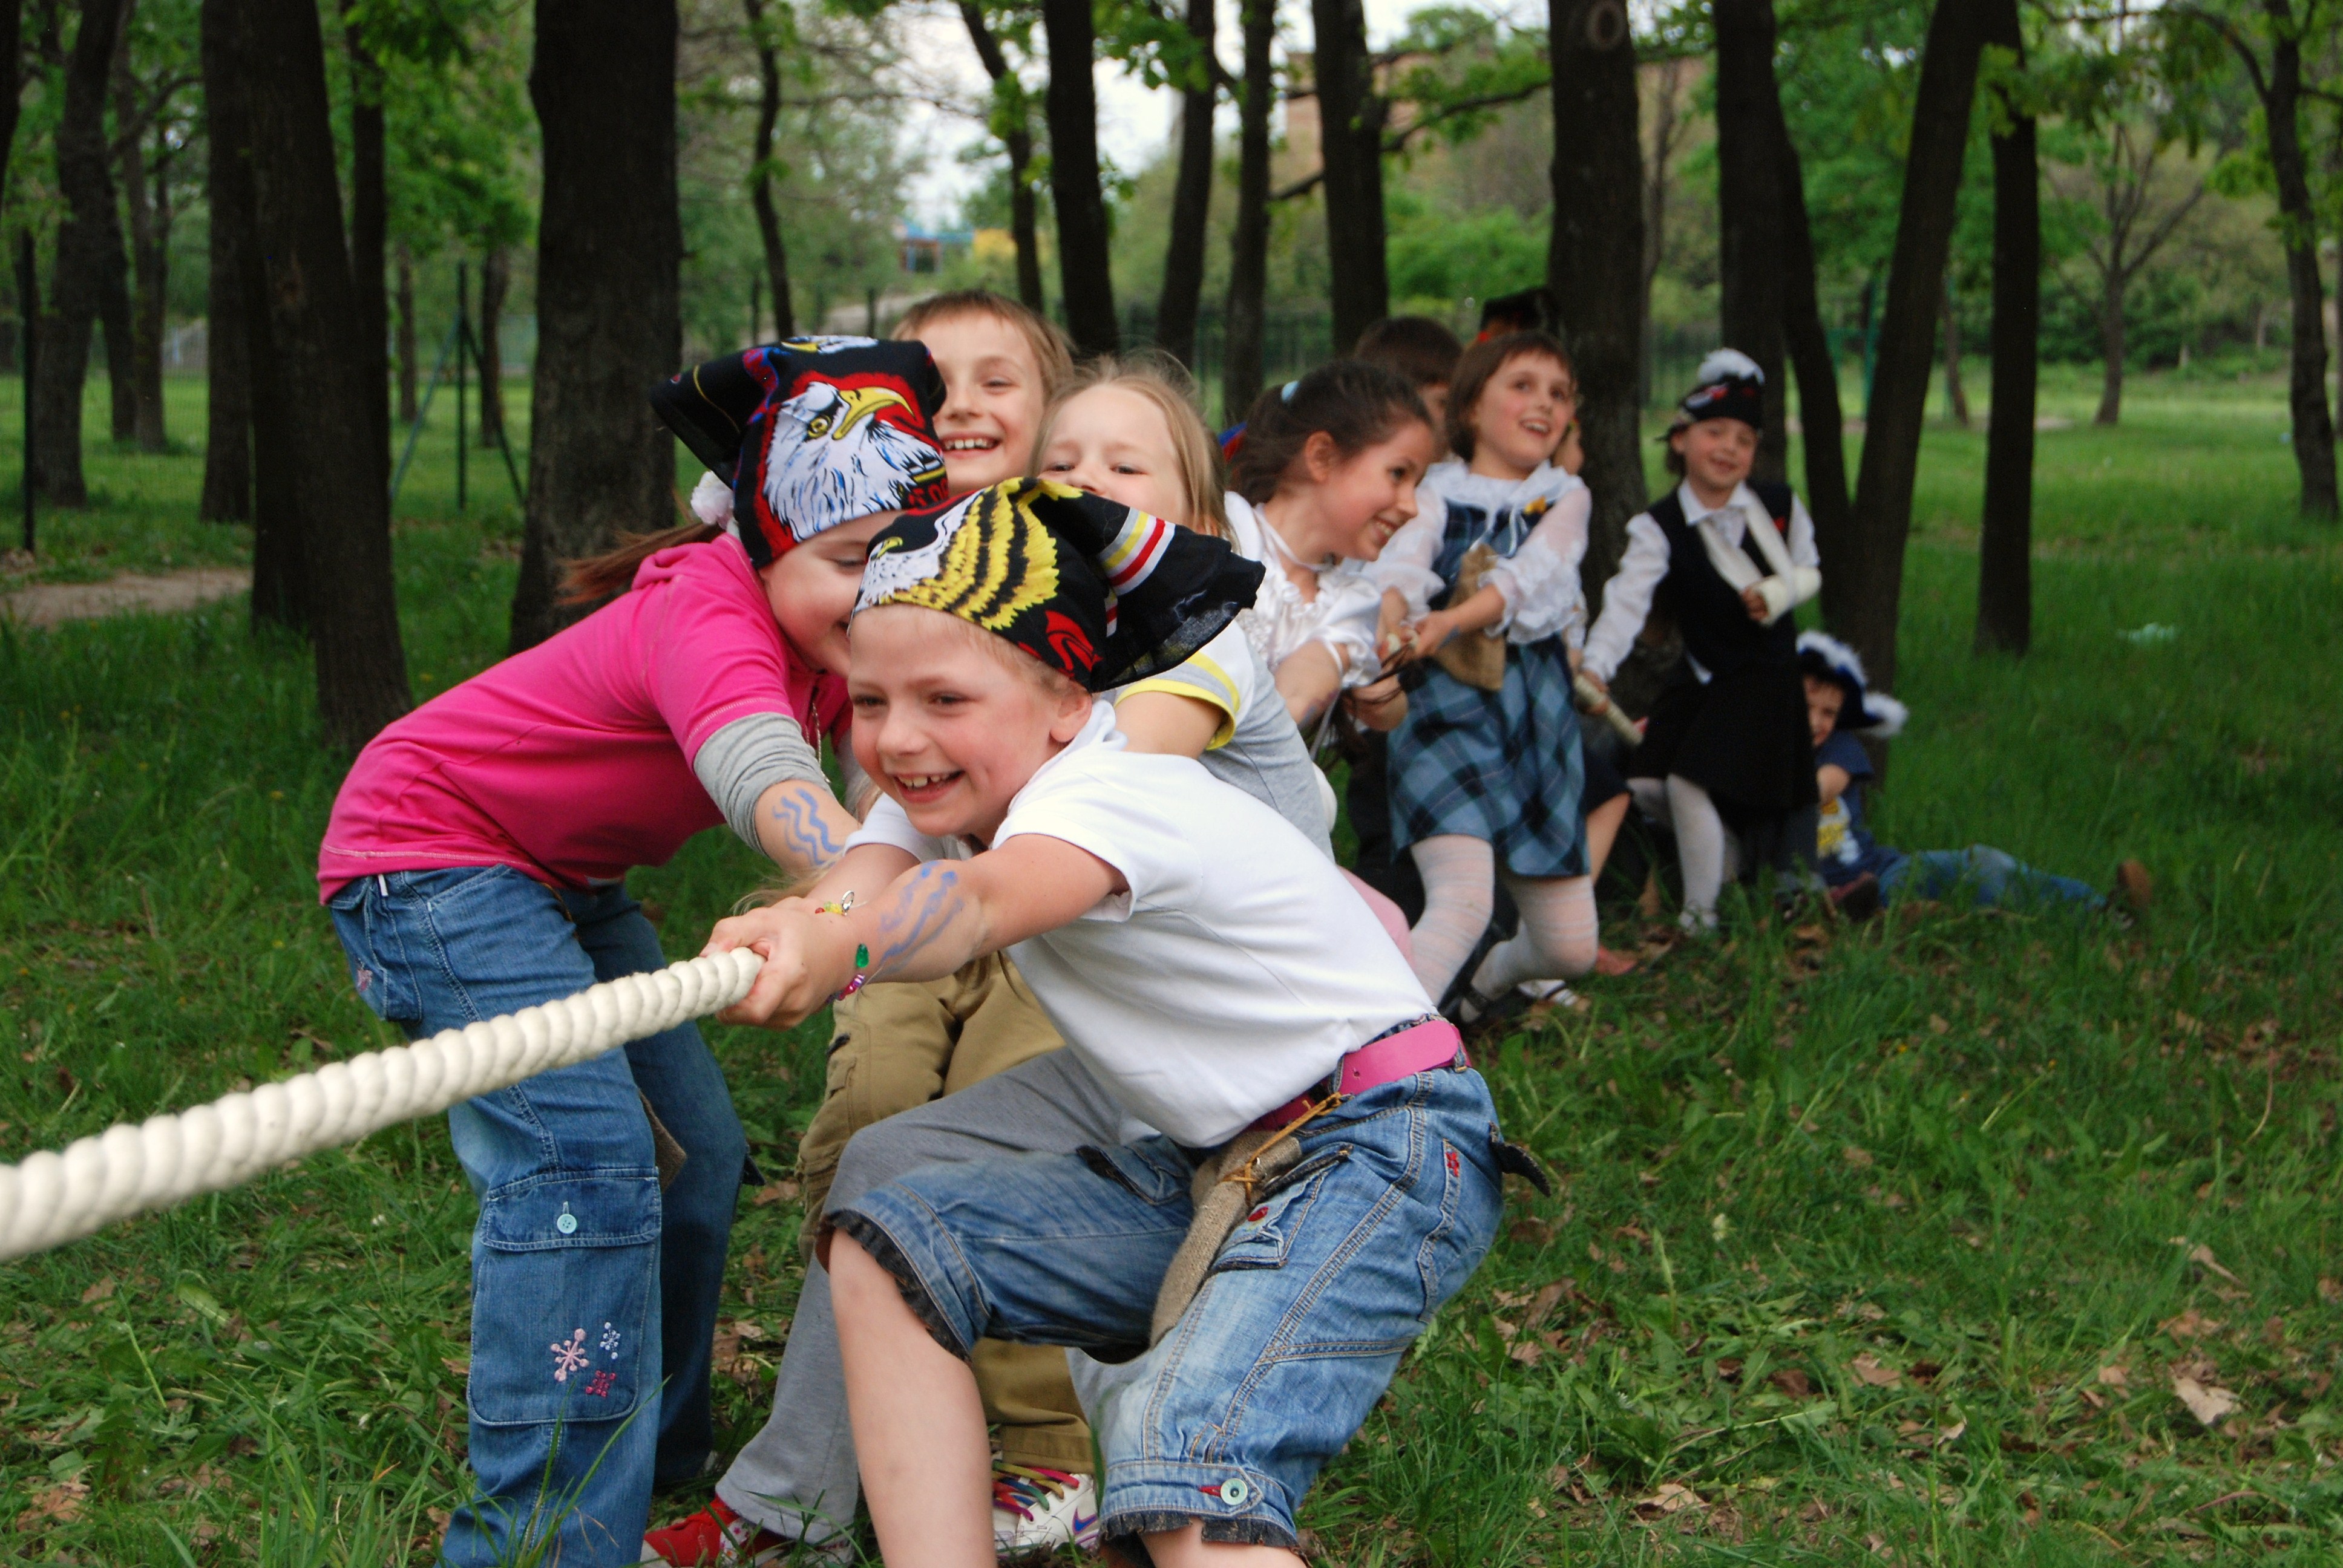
x=55, y=1198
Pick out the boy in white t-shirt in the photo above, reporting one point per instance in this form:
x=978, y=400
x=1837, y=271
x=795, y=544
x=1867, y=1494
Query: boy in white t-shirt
x=1210, y=969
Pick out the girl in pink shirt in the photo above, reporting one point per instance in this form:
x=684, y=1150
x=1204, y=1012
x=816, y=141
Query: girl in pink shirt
x=474, y=864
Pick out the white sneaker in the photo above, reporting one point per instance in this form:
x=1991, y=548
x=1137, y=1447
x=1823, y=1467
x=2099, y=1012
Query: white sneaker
x=1555, y=991
x=1035, y=1509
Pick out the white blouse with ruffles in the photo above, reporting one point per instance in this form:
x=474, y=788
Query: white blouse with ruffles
x=1539, y=581
x=1281, y=622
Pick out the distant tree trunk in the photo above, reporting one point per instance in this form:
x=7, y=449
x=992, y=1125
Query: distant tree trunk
x=2111, y=351
x=1350, y=144
x=1808, y=343
x=370, y=238
x=89, y=241
x=1084, y=275
x=1015, y=126
x=1749, y=203
x=1192, y=198
x=2313, y=427
x=315, y=328
x=1956, y=398
x=496, y=279
x=1863, y=601
x=1241, y=333
x=609, y=250
x=1666, y=122
x=409, y=376
x=116, y=315
x=227, y=429
x=12, y=88
x=761, y=181
x=2004, y=623
x=1594, y=264
x=146, y=198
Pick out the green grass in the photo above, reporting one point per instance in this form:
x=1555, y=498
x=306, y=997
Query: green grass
x=1958, y=1150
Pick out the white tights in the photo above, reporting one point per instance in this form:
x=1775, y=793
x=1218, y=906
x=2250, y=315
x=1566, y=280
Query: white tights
x=1705, y=850
x=1558, y=938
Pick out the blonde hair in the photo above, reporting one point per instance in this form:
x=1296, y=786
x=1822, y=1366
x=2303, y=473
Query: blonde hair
x=1051, y=353
x=1164, y=382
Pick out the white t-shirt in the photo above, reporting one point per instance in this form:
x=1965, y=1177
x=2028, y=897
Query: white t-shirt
x=1234, y=973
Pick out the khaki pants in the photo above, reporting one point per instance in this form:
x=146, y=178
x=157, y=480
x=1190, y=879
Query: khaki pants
x=897, y=1046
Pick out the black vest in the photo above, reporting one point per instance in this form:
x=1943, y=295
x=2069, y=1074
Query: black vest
x=1708, y=610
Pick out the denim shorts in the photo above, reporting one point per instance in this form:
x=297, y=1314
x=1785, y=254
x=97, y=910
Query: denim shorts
x=1297, y=1329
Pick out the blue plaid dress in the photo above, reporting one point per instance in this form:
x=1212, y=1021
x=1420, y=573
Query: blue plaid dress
x=1503, y=766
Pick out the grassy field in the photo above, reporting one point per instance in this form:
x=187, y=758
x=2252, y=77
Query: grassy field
x=1893, y=1244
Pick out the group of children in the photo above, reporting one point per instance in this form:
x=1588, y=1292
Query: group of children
x=1148, y=1134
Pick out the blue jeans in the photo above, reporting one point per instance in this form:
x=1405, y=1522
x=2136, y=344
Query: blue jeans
x=1296, y=1332
x=594, y=1294
x=1988, y=875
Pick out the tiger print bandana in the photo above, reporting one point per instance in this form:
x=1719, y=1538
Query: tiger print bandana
x=1102, y=592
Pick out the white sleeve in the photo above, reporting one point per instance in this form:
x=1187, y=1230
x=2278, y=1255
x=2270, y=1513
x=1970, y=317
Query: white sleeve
x=1351, y=604
x=1627, y=598
x=1784, y=595
x=1539, y=581
x=888, y=825
x=1405, y=567
x=1109, y=805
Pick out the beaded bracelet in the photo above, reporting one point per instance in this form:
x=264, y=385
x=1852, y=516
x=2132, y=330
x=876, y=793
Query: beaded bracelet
x=862, y=949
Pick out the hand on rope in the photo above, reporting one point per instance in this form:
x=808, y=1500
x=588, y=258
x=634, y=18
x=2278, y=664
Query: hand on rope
x=53, y=1197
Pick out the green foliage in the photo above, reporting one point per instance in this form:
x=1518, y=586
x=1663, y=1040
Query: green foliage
x=1440, y=255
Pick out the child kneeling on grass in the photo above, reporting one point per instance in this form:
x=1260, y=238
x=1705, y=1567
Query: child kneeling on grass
x=1206, y=965
x=1862, y=872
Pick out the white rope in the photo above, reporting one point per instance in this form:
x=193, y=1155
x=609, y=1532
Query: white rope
x=54, y=1198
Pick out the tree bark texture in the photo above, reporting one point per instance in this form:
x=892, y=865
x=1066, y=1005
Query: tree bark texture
x=12, y=87
x=761, y=181
x=1956, y=397
x=496, y=281
x=610, y=327
x=1594, y=264
x=409, y=375
x=1666, y=131
x=1351, y=144
x=2005, y=620
x=228, y=428
x=2111, y=351
x=370, y=238
x=147, y=200
x=314, y=331
x=1808, y=346
x=89, y=251
x=1749, y=207
x=1240, y=342
x=1009, y=112
x=2314, y=426
x=116, y=315
x=1084, y=276
x=1192, y=198
x=1863, y=597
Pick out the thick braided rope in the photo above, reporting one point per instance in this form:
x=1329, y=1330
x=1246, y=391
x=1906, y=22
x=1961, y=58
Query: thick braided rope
x=54, y=1198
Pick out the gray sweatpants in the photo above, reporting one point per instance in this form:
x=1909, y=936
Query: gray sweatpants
x=797, y=1477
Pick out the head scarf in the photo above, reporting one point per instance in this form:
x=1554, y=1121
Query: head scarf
x=1867, y=712
x=1100, y=592
x=1728, y=386
x=809, y=434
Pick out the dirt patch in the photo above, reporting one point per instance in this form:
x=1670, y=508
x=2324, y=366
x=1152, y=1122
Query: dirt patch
x=47, y=604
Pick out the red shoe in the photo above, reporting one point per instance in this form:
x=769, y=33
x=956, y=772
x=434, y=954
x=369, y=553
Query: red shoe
x=715, y=1537
x=1607, y=962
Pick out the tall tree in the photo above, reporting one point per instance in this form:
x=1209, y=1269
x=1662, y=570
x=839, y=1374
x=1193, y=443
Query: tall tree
x=1192, y=192
x=763, y=33
x=608, y=307
x=227, y=434
x=409, y=377
x=1668, y=126
x=2005, y=617
x=148, y=139
x=89, y=252
x=2135, y=212
x=1084, y=275
x=313, y=326
x=495, y=282
x=1863, y=598
x=12, y=83
x=1750, y=203
x=1012, y=122
x=1240, y=344
x=1594, y=264
x=1351, y=118
x=369, y=233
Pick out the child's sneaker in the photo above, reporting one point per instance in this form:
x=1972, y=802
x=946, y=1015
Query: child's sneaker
x=1553, y=992
x=1035, y=1509
x=715, y=1537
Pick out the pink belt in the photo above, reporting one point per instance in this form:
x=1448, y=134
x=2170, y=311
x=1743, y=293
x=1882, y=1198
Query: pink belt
x=1420, y=1048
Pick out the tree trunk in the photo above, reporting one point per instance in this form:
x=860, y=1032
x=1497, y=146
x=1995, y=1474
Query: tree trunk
x=760, y=182
x=315, y=338
x=370, y=239
x=1956, y=398
x=1240, y=344
x=496, y=279
x=1655, y=204
x=2314, y=428
x=2004, y=623
x=1192, y=198
x=2111, y=349
x=1084, y=274
x=227, y=429
x=114, y=313
x=409, y=375
x=1595, y=263
x=1351, y=148
x=608, y=312
x=1808, y=344
x=146, y=195
x=1749, y=203
x=1016, y=134
x=12, y=88
x=89, y=241
x=1863, y=600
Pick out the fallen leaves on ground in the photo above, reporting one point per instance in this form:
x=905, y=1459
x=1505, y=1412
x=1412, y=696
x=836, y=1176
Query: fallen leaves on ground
x=1867, y=1368
x=54, y=1504
x=1670, y=1498
x=2207, y=1403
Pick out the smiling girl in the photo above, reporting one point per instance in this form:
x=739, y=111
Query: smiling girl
x=1486, y=771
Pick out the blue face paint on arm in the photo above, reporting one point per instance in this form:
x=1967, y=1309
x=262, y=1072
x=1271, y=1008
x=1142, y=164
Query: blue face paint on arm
x=805, y=837
x=922, y=910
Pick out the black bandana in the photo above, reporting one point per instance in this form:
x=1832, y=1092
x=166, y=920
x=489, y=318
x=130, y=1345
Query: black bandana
x=1102, y=592
x=1731, y=387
